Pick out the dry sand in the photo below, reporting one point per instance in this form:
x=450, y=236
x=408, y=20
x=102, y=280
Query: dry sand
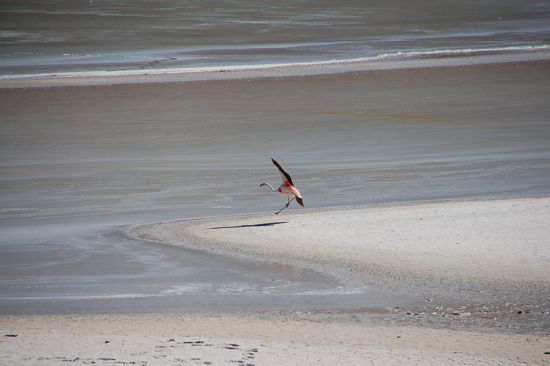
x=493, y=242
x=499, y=241
x=247, y=340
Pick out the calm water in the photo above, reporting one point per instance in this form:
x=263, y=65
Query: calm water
x=105, y=36
x=80, y=163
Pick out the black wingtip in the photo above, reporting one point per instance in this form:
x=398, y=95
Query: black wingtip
x=280, y=168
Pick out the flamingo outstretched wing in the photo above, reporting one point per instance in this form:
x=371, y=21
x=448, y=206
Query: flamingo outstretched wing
x=284, y=175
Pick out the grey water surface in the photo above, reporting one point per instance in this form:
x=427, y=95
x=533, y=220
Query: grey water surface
x=80, y=163
x=80, y=36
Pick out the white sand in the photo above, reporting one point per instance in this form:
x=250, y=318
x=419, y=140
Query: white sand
x=161, y=340
x=481, y=241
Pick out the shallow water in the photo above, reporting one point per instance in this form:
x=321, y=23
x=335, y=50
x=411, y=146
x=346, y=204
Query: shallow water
x=59, y=37
x=80, y=162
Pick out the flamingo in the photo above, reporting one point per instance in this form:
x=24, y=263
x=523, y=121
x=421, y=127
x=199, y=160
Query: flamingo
x=285, y=188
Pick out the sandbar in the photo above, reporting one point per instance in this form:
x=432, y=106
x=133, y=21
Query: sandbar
x=496, y=242
x=487, y=241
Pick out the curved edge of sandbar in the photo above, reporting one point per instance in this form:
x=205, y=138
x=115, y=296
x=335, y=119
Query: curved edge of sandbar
x=502, y=240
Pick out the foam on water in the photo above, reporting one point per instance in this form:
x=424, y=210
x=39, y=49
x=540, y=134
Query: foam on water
x=398, y=60
x=53, y=37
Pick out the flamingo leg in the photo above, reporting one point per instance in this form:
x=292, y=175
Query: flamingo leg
x=288, y=203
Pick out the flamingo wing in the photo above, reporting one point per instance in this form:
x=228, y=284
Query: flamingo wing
x=284, y=175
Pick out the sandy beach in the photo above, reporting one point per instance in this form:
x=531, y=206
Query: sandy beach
x=134, y=136
x=480, y=267
x=498, y=244
x=248, y=340
x=492, y=241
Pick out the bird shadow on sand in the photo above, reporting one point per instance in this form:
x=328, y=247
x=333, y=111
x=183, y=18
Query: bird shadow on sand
x=251, y=225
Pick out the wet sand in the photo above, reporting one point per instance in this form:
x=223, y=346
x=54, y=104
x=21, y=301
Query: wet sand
x=485, y=250
x=496, y=241
x=501, y=242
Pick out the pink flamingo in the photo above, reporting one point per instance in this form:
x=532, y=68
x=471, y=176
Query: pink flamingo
x=285, y=188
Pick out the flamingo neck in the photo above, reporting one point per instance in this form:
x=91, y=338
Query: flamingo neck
x=269, y=185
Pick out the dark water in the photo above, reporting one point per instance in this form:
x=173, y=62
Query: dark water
x=106, y=36
x=79, y=163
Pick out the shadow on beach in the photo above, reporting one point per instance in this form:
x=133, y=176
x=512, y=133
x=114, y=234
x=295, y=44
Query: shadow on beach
x=251, y=225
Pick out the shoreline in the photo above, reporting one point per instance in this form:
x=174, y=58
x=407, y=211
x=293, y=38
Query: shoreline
x=447, y=282
x=446, y=333
x=412, y=60
x=484, y=285
x=517, y=257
